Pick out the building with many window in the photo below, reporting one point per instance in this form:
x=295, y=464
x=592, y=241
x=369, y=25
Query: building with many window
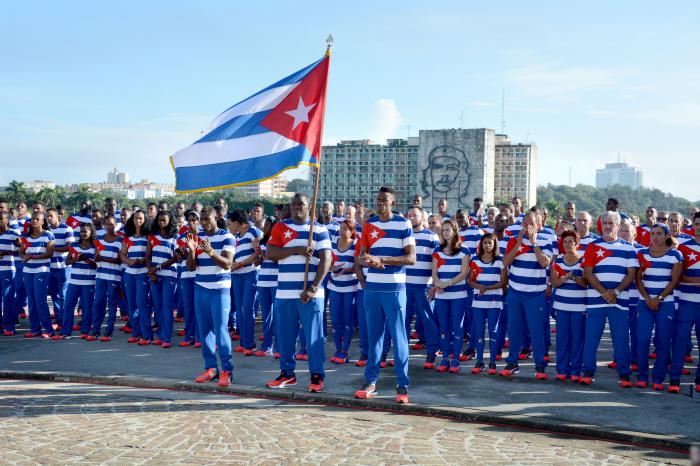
x=618, y=173
x=515, y=171
x=273, y=188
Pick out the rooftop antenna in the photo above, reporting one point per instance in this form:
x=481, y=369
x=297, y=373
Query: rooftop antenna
x=408, y=131
x=503, y=111
x=461, y=119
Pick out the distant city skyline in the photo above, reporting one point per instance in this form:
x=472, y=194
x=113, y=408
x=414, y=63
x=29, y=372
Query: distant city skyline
x=88, y=86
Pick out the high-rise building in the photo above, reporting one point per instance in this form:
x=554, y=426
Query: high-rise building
x=354, y=170
x=515, y=171
x=117, y=177
x=618, y=173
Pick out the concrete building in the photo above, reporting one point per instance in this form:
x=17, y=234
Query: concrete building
x=618, y=173
x=515, y=171
x=354, y=170
x=117, y=177
x=37, y=185
x=274, y=188
x=456, y=164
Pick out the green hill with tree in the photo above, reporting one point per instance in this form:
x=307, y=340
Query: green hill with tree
x=632, y=201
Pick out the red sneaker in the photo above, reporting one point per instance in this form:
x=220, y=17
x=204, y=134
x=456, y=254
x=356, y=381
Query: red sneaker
x=126, y=329
x=58, y=337
x=248, y=352
x=547, y=358
x=125, y=318
x=207, y=375
x=91, y=337
x=688, y=358
x=361, y=362
x=560, y=377
x=316, y=385
x=697, y=387
x=685, y=371
x=106, y=338
x=302, y=357
x=390, y=362
x=414, y=335
x=8, y=333
x=426, y=365
x=586, y=380
x=625, y=383
x=239, y=349
x=224, y=379
x=180, y=333
x=366, y=392
x=575, y=379
x=506, y=344
x=197, y=344
x=541, y=376
x=659, y=387
x=674, y=388
x=418, y=346
x=185, y=343
x=144, y=342
x=401, y=395
x=652, y=355
x=641, y=384
x=178, y=320
x=23, y=315
x=612, y=364
x=492, y=369
x=476, y=370
x=282, y=381
x=31, y=335
x=157, y=342
x=261, y=338
x=166, y=345
x=499, y=357
x=235, y=336
x=133, y=340
x=634, y=367
x=76, y=328
x=277, y=355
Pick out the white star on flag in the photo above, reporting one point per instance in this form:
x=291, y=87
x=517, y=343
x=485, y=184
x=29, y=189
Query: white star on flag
x=300, y=114
x=600, y=253
x=287, y=234
x=692, y=256
x=374, y=235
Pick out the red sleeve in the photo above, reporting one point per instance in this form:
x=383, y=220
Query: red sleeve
x=511, y=245
x=599, y=226
x=588, y=256
x=358, y=247
x=276, y=235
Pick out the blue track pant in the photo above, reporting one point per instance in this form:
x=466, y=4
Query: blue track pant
x=243, y=286
x=37, y=287
x=687, y=316
x=212, y=308
x=417, y=300
x=450, y=316
x=186, y=292
x=136, y=286
x=57, y=291
x=661, y=322
x=7, y=300
x=386, y=308
x=526, y=313
x=480, y=317
x=341, y=305
x=163, y=292
x=362, y=322
x=266, y=296
x=86, y=294
x=289, y=313
x=571, y=328
x=619, y=329
x=106, y=293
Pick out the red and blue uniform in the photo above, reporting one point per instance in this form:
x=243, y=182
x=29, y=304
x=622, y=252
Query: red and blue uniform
x=266, y=288
x=164, y=287
x=487, y=307
x=36, y=282
x=212, y=300
x=243, y=282
x=610, y=262
x=385, y=294
x=688, y=314
x=186, y=293
x=570, y=306
x=81, y=285
x=288, y=308
x=58, y=272
x=136, y=285
x=343, y=291
x=8, y=245
x=656, y=277
x=107, y=285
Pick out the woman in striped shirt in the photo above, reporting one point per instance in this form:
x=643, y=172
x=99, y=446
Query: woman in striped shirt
x=660, y=269
x=266, y=288
x=487, y=277
x=566, y=277
x=81, y=282
x=450, y=268
x=9, y=245
x=107, y=280
x=37, y=250
x=160, y=254
x=133, y=254
x=186, y=280
x=343, y=290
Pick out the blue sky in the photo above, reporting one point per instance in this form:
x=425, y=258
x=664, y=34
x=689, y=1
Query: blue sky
x=88, y=86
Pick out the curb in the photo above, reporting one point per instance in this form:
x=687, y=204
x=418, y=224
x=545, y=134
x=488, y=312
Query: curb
x=551, y=426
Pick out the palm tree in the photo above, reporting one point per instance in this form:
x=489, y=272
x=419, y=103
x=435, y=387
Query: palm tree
x=16, y=191
x=48, y=196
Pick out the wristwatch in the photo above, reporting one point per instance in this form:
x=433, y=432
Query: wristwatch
x=617, y=292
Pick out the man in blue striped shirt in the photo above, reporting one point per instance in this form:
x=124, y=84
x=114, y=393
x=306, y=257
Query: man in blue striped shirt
x=387, y=247
x=57, y=276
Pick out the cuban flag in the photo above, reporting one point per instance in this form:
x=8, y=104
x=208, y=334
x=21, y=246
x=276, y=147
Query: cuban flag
x=276, y=129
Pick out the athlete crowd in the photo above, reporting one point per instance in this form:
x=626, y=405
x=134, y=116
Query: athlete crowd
x=463, y=287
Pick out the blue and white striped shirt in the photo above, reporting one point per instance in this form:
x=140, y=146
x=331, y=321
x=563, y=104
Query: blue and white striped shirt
x=209, y=275
x=136, y=249
x=526, y=275
x=8, y=242
x=471, y=236
x=387, y=239
x=343, y=282
x=610, y=262
x=182, y=243
x=244, y=249
x=290, y=278
x=108, y=250
x=656, y=271
x=689, y=294
x=448, y=267
x=37, y=246
x=64, y=237
x=82, y=273
x=267, y=275
x=162, y=250
x=569, y=296
x=333, y=227
x=420, y=274
x=486, y=274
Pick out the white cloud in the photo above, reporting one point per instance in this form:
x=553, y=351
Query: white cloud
x=386, y=119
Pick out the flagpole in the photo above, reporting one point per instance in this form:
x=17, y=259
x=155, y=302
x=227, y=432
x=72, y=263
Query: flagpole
x=312, y=214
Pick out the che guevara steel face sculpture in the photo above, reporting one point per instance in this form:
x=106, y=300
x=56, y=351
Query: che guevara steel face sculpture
x=446, y=176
